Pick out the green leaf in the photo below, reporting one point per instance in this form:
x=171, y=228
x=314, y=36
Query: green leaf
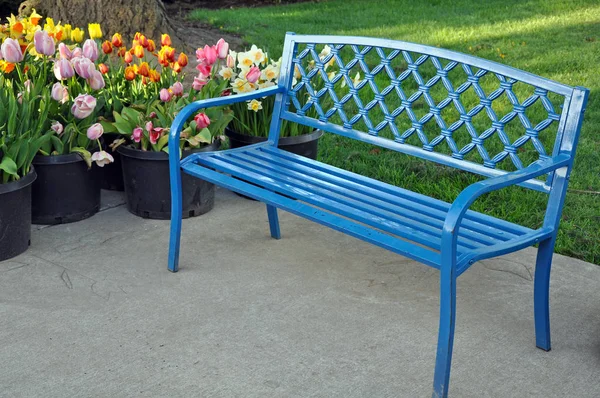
x=9, y=166
x=162, y=142
x=85, y=155
x=108, y=126
x=131, y=115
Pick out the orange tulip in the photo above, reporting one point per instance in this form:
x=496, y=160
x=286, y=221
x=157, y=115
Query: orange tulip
x=154, y=75
x=122, y=51
x=144, y=80
x=176, y=67
x=107, y=48
x=103, y=69
x=117, y=40
x=129, y=73
x=128, y=58
x=165, y=40
x=143, y=40
x=163, y=56
x=139, y=51
x=151, y=45
x=144, y=69
x=182, y=60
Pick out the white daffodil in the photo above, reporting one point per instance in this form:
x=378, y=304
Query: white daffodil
x=270, y=73
x=256, y=54
x=227, y=73
x=325, y=52
x=254, y=105
x=245, y=61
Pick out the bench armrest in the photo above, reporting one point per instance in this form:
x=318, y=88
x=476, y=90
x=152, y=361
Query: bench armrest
x=466, y=198
x=186, y=112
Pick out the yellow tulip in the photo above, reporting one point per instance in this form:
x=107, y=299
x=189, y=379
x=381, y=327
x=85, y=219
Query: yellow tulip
x=77, y=35
x=67, y=29
x=94, y=31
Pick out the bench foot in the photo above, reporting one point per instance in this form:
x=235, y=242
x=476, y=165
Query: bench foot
x=176, y=212
x=273, y=222
x=443, y=360
x=541, y=294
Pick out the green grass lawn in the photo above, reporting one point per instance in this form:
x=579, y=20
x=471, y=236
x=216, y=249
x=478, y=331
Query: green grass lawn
x=559, y=40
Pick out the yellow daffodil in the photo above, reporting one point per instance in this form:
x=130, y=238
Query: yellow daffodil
x=77, y=35
x=6, y=67
x=254, y=105
x=49, y=25
x=95, y=31
x=34, y=18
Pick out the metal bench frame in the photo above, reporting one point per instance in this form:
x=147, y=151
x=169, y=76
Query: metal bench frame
x=276, y=177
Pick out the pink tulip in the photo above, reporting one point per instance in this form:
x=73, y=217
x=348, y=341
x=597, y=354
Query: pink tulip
x=102, y=158
x=44, y=44
x=253, y=74
x=177, y=89
x=210, y=53
x=27, y=85
x=204, y=69
x=149, y=126
x=137, y=134
x=90, y=50
x=152, y=115
x=64, y=51
x=201, y=120
x=200, y=57
x=155, y=134
x=95, y=131
x=199, y=82
x=11, y=51
x=230, y=61
x=60, y=93
x=165, y=95
x=83, y=66
x=96, y=81
x=63, y=69
x=57, y=127
x=222, y=49
x=83, y=106
x=77, y=53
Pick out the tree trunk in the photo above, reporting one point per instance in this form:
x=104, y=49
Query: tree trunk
x=123, y=16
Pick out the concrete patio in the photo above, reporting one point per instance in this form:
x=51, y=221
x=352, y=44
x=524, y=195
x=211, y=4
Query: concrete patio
x=91, y=311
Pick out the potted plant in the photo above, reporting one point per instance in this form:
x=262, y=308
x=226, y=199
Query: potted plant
x=145, y=159
x=66, y=188
x=134, y=76
x=22, y=121
x=249, y=71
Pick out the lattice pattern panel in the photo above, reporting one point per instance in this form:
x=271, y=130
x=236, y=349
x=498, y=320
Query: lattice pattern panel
x=437, y=104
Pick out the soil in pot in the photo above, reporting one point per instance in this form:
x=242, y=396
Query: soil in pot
x=304, y=145
x=148, y=188
x=15, y=216
x=65, y=191
x=111, y=175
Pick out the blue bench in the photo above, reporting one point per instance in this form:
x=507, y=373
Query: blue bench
x=422, y=101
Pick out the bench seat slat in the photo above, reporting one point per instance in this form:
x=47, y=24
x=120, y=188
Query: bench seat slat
x=349, y=227
x=470, y=230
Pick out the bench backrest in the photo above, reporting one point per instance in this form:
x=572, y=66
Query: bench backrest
x=455, y=109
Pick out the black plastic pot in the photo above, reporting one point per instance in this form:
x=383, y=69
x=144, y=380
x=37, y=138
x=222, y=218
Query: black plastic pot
x=303, y=145
x=111, y=175
x=15, y=216
x=65, y=191
x=148, y=188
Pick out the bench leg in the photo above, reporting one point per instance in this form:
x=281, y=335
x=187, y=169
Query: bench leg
x=443, y=360
x=273, y=222
x=176, y=212
x=541, y=291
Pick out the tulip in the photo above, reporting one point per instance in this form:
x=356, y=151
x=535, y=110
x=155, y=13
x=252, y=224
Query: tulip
x=199, y=82
x=143, y=40
x=59, y=93
x=117, y=40
x=165, y=40
x=63, y=69
x=43, y=43
x=152, y=115
x=77, y=53
x=204, y=69
x=253, y=74
x=57, y=127
x=64, y=51
x=210, y=54
x=128, y=58
x=144, y=69
x=102, y=158
x=90, y=50
x=107, y=47
x=95, y=131
x=230, y=61
x=177, y=89
x=200, y=57
x=138, y=51
x=77, y=35
x=149, y=126
x=83, y=106
x=136, y=136
x=96, y=80
x=83, y=66
x=177, y=68
x=103, y=68
x=151, y=45
x=154, y=75
x=155, y=134
x=201, y=120
x=222, y=49
x=94, y=31
x=165, y=95
x=182, y=60
x=11, y=51
x=129, y=73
